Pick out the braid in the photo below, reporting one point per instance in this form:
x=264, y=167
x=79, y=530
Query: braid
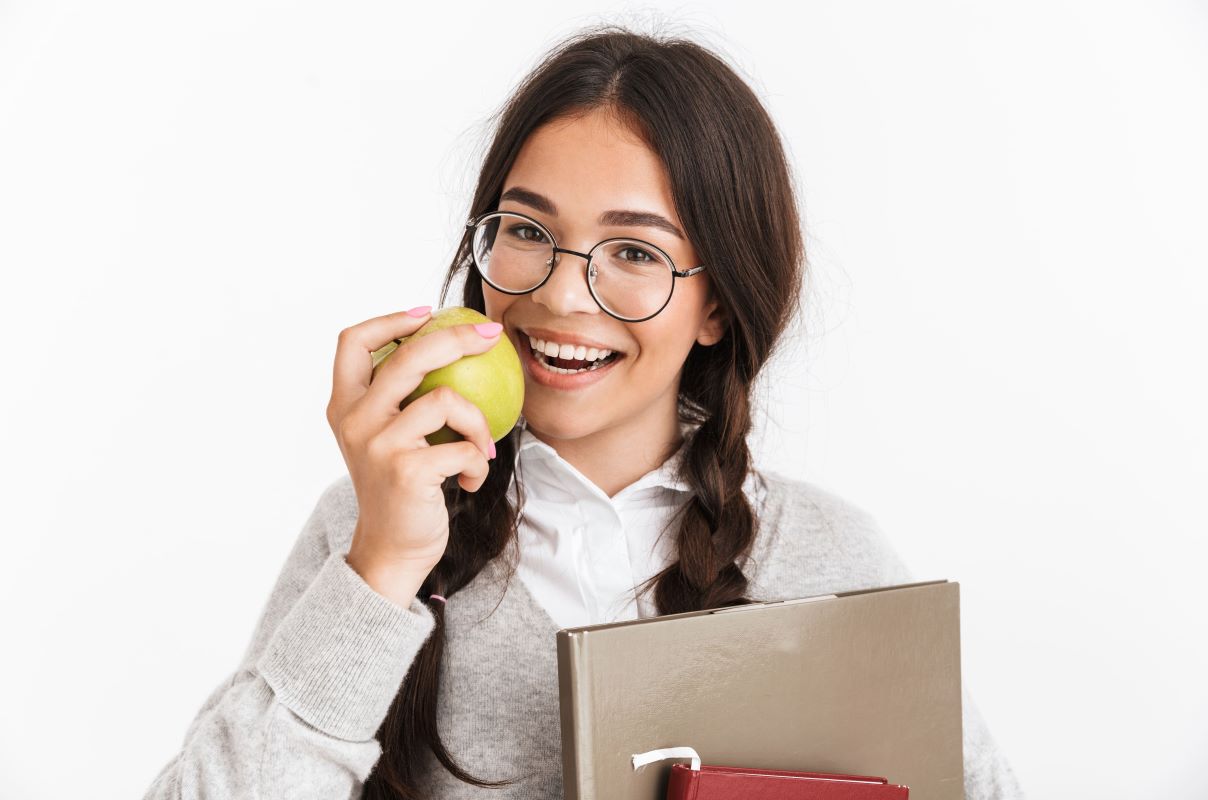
x=717, y=524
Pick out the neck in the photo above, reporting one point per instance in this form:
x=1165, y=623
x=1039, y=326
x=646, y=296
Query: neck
x=614, y=457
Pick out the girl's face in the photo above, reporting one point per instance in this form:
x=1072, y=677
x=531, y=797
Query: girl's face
x=582, y=168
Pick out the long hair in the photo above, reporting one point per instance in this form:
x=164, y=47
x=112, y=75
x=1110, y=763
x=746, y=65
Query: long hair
x=733, y=191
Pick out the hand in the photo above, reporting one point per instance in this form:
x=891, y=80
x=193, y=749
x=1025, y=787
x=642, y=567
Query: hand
x=403, y=525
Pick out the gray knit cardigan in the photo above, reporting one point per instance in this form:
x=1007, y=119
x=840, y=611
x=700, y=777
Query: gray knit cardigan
x=298, y=718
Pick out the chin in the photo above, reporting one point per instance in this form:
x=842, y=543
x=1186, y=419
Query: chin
x=560, y=425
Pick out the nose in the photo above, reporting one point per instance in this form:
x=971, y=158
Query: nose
x=565, y=291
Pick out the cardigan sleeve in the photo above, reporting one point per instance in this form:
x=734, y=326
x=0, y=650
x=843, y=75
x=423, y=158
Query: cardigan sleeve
x=298, y=718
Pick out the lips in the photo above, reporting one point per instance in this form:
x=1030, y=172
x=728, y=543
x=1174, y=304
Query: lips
x=561, y=381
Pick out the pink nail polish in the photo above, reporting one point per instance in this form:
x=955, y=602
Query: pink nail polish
x=492, y=449
x=488, y=329
x=418, y=311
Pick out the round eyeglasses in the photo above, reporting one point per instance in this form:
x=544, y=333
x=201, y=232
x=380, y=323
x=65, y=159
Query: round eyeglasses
x=629, y=279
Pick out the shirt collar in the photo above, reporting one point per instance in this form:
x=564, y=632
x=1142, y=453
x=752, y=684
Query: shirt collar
x=534, y=452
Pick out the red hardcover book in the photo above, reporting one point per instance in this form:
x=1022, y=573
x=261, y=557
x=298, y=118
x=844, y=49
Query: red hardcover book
x=741, y=783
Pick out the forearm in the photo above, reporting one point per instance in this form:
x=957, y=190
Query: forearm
x=301, y=722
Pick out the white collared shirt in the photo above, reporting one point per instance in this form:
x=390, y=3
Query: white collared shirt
x=582, y=553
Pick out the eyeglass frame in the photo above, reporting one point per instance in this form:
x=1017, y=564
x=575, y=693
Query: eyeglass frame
x=473, y=222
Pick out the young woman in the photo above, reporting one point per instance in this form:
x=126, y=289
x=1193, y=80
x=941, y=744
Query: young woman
x=634, y=232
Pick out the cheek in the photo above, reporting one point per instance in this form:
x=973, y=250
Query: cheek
x=661, y=345
x=496, y=303
x=669, y=336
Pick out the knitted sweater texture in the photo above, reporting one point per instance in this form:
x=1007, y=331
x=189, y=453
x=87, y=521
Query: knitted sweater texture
x=298, y=718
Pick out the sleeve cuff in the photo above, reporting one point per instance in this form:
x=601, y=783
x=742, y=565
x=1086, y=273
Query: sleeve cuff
x=338, y=658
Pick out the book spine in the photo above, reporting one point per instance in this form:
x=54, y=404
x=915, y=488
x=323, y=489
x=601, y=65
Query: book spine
x=577, y=777
x=683, y=783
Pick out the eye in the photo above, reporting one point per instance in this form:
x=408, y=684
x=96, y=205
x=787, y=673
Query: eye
x=633, y=249
x=516, y=230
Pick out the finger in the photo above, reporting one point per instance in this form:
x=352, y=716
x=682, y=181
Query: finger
x=441, y=406
x=407, y=366
x=353, y=366
x=459, y=458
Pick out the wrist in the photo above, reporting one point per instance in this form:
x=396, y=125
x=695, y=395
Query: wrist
x=399, y=583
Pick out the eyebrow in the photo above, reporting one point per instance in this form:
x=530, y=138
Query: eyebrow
x=641, y=219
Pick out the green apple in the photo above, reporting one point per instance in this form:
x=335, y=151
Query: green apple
x=493, y=380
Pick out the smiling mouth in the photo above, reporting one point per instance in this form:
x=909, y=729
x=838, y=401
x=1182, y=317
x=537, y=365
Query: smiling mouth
x=569, y=365
x=572, y=365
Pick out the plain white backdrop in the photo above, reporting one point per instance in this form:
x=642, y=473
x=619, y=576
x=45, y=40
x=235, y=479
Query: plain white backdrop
x=1003, y=360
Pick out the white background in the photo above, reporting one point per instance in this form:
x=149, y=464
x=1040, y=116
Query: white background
x=1004, y=359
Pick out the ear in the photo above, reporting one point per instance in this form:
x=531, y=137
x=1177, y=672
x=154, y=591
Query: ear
x=713, y=328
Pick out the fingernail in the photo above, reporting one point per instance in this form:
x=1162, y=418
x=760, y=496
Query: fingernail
x=492, y=449
x=488, y=329
x=418, y=311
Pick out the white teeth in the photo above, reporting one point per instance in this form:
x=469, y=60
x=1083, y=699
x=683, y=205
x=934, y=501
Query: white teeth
x=542, y=360
x=555, y=350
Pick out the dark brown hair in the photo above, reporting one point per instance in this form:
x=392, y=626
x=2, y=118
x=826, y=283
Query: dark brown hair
x=734, y=194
